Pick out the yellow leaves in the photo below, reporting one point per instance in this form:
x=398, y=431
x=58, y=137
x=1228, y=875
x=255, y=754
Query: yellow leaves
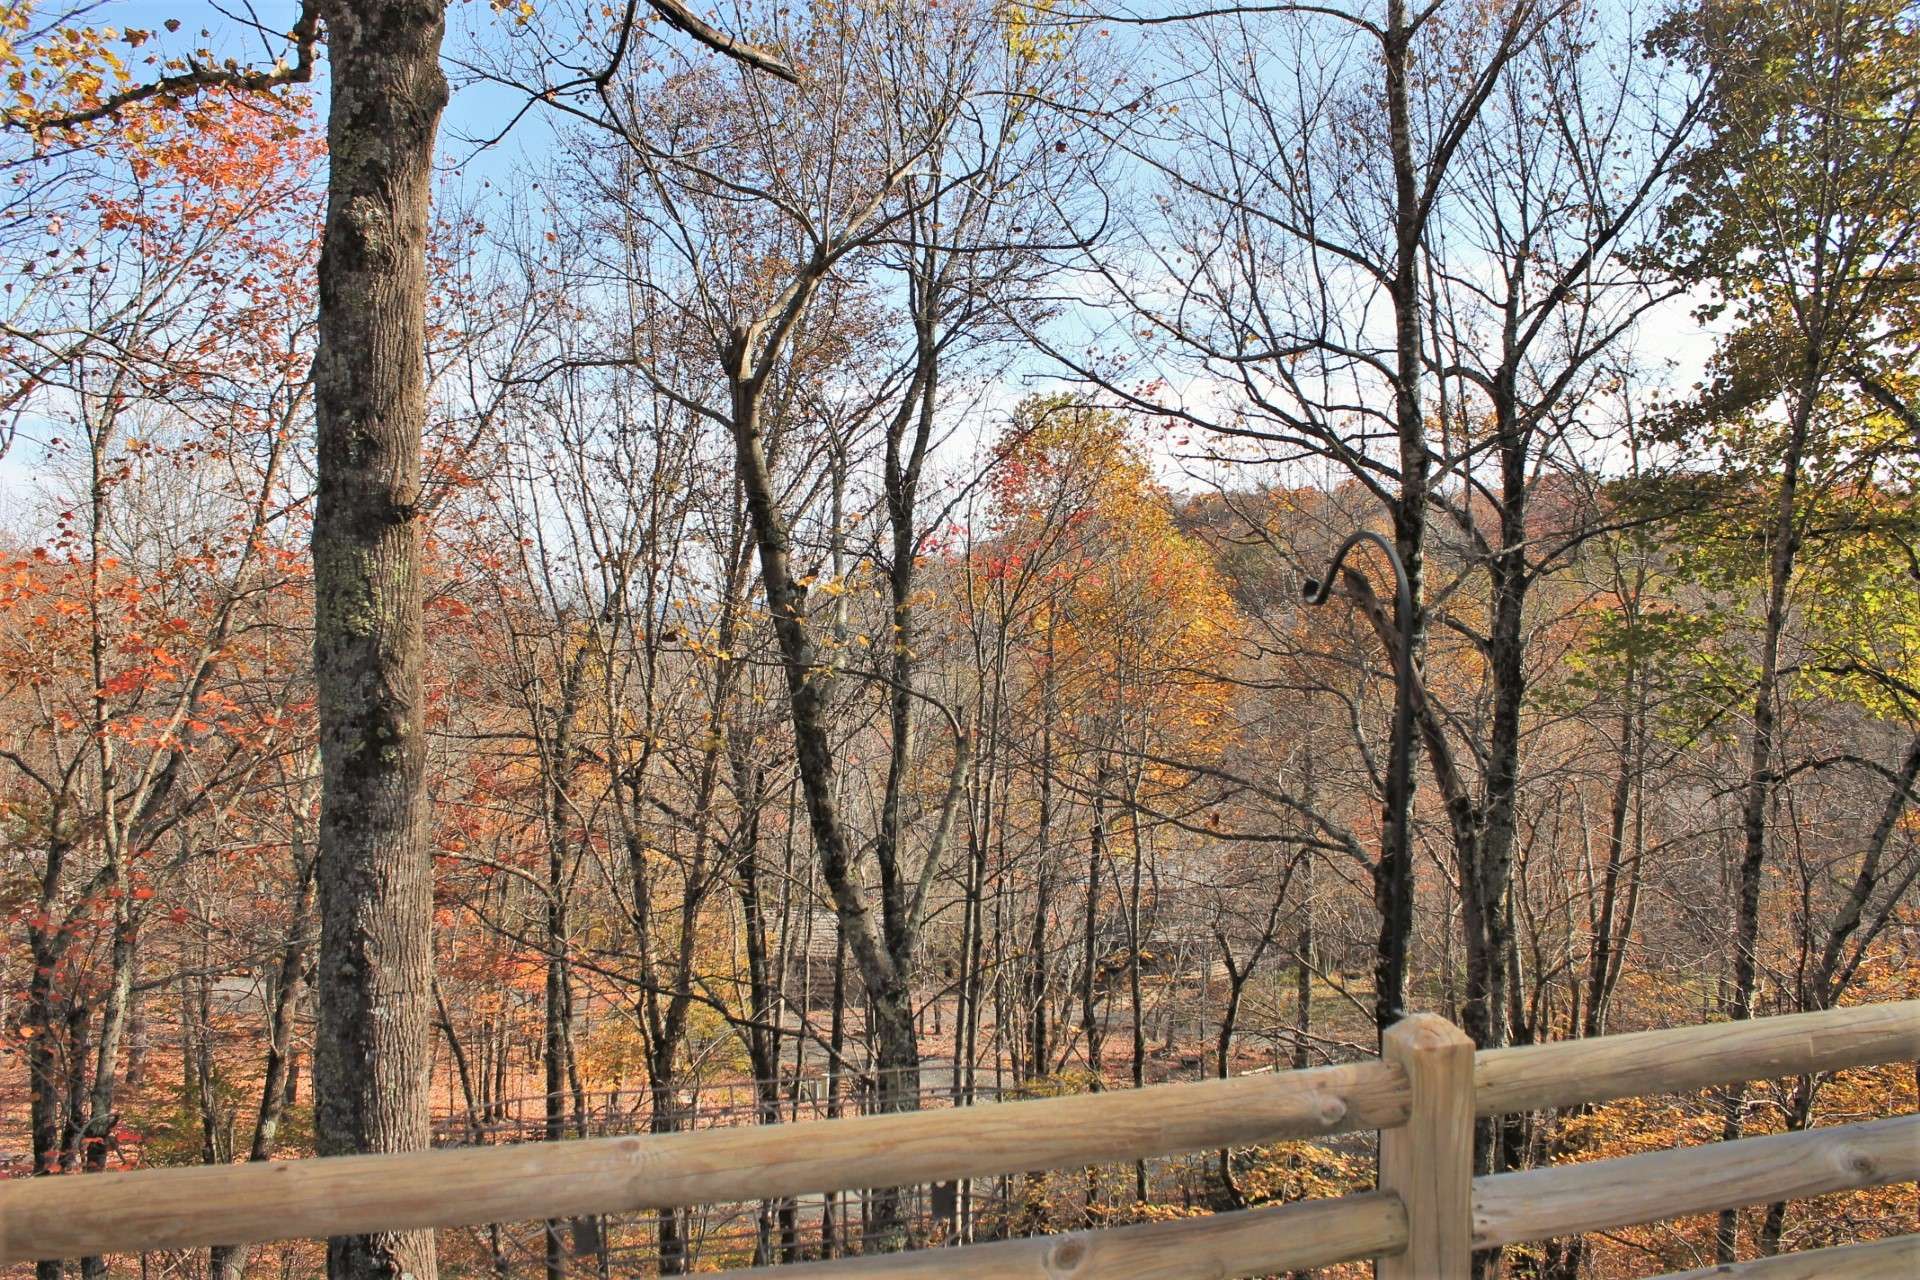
x=1030, y=37
x=67, y=69
x=521, y=11
x=1134, y=606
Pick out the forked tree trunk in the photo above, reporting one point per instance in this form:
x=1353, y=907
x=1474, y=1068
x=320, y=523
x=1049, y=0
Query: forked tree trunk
x=884, y=953
x=375, y=876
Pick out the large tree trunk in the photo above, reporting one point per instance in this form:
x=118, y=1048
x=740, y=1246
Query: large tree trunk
x=884, y=955
x=375, y=876
x=43, y=1071
x=1784, y=538
x=1488, y=862
x=1393, y=876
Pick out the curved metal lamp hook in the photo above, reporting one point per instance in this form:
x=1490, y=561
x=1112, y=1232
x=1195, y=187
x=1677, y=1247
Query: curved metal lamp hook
x=1315, y=591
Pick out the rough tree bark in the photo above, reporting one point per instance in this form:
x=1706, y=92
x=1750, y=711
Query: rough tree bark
x=375, y=877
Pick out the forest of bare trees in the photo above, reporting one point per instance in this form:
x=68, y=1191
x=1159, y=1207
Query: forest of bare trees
x=585, y=570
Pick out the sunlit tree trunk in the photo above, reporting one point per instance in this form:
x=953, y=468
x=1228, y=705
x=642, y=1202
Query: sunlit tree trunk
x=375, y=876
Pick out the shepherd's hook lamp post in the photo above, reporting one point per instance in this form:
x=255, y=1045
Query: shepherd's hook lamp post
x=1393, y=887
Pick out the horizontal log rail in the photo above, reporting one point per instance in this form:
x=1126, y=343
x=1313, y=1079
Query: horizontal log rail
x=1568, y=1073
x=231, y=1204
x=1508, y=1208
x=242, y=1203
x=1895, y=1259
x=1307, y=1233
x=1570, y=1199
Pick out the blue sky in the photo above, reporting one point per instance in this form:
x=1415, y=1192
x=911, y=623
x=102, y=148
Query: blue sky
x=479, y=111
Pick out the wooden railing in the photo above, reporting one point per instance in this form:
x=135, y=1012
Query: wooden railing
x=1422, y=1094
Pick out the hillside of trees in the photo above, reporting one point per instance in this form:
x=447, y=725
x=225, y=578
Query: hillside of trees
x=578, y=570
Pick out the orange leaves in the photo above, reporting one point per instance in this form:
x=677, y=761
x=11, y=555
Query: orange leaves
x=193, y=221
x=127, y=682
x=1133, y=605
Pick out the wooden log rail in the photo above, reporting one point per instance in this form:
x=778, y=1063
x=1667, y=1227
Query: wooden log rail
x=1424, y=1221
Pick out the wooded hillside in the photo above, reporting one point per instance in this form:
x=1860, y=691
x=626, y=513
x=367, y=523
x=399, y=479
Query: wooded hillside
x=591, y=570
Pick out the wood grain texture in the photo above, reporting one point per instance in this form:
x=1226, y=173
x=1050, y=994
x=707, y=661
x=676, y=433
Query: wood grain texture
x=1895, y=1259
x=1428, y=1162
x=1568, y=1199
x=1626, y=1066
x=232, y=1204
x=1312, y=1233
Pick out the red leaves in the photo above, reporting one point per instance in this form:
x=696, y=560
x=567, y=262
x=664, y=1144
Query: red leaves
x=130, y=681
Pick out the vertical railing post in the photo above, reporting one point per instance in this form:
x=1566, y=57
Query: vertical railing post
x=1428, y=1162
